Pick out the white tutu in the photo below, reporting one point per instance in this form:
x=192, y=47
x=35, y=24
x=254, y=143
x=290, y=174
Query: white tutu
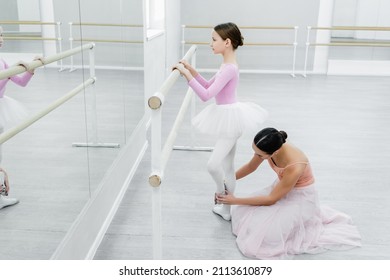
x=11, y=112
x=230, y=120
x=296, y=224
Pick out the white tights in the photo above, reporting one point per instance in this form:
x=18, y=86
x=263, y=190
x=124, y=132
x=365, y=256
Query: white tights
x=221, y=164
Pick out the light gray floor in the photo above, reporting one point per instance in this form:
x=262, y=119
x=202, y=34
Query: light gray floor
x=343, y=125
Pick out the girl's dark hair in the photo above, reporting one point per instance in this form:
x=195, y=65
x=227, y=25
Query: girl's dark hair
x=230, y=31
x=270, y=140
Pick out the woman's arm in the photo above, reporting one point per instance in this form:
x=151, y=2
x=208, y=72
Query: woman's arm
x=249, y=167
x=283, y=187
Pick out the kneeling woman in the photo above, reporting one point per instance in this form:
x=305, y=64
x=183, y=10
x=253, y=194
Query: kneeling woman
x=286, y=219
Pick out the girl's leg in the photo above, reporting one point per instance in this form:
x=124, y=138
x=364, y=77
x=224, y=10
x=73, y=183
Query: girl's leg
x=215, y=166
x=221, y=168
x=230, y=184
x=230, y=172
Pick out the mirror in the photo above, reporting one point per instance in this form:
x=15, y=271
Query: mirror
x=56, y=164
x=361, y=13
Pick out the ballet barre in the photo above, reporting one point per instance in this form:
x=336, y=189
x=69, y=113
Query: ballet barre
x=293, y=44
x=155, y=102
x=96, y=24
x=343, y=43
x=18, y=69
x=14, y=70
x=40, y=38
x=15, y=130
x=160, y=156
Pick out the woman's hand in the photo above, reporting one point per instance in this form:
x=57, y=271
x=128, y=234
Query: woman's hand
x=227, y=198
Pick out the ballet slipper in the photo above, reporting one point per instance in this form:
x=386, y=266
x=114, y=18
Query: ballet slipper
x=7, y=201
x=223, y=211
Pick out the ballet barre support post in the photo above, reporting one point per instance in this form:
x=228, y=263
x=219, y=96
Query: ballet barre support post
x=295, y=50
x=160, y=156
x=95, y=142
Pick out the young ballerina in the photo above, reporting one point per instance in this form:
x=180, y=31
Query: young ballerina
x=227, y=118
x=11, y=112
x=286, y=218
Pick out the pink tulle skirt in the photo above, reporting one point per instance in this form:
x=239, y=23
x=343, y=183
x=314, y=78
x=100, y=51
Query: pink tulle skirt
x=296, y=224
x=11, y=112
x=230, y=120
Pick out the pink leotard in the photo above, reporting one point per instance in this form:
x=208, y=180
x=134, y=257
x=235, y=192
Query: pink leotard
x=222, y=86
x=21, y=80
x=306, y=178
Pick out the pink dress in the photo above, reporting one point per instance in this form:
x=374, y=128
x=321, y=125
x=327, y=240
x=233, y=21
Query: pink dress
x=11, y=111
x=226, y=117
x=296, y=224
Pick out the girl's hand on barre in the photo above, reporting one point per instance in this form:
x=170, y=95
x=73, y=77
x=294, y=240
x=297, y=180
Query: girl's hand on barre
x=180, y=67
x=183, y=71
x=26, y=66
x=40, y=58
x=185, y=63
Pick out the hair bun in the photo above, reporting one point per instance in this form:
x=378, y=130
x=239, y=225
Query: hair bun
x=284, y=134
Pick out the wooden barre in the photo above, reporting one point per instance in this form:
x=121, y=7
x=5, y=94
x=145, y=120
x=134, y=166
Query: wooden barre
x=364, y=28
x=243, y=27
x=108, y=41
x=353, y=44
x=105, y=24
x=29, y=22
x=245, y=44
x=32, y=38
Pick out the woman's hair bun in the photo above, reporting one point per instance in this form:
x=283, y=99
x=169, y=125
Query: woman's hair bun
x=284, y=134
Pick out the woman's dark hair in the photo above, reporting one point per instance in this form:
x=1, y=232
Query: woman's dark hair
x=230, y=31
x=270, y=140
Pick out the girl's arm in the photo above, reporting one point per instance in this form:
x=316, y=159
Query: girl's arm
x=220, y=81
x=21, y=80
x=283, y=187
x=205, y=83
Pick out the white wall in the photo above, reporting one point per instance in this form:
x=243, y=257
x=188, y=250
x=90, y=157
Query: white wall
x=173, y=32
x=28, y=10
x=254, y=13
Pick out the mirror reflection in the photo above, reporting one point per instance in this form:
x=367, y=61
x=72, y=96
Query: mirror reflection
x=56, y=164
x=365, y=33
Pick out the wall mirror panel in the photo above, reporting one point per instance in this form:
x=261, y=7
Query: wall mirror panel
x=56, y=164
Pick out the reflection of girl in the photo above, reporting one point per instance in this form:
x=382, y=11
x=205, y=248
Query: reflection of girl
x=286, y=218
x=227, y=118
x=11, y=112
x=4, y=189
